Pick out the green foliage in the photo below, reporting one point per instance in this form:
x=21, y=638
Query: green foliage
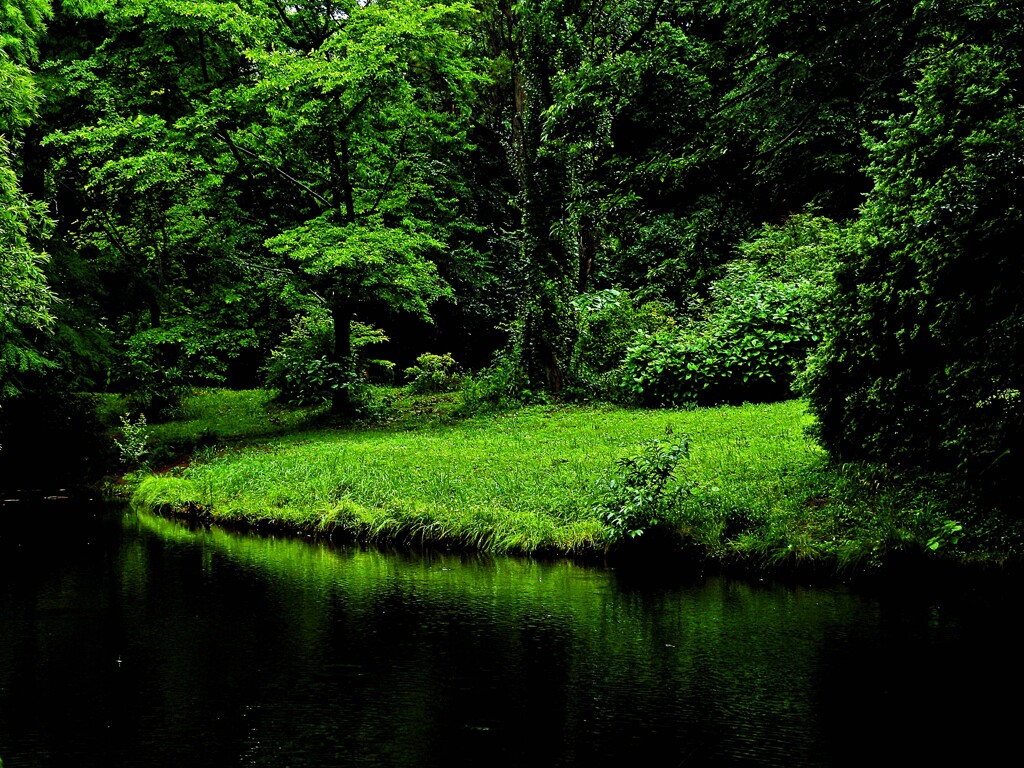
x=753, y=335
x=947, y=534
x=159, y=230
x=159, y=366
x=22, y=24
x=923, y=363
x=25, y=297
x=644, y=493
x=610, y=321
x=500, y=386
x=186, y=166
x=387, y=264
x=302, y=368
x=759, y=489
x=299, y=368
x=433, y=373
x=133, y=443
x=373, y=104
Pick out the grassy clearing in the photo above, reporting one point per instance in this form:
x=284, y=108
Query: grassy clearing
x=758, y=488
x=212, y=417
x=223, y=414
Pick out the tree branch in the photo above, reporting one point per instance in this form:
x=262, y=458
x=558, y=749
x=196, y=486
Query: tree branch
x=285, y=175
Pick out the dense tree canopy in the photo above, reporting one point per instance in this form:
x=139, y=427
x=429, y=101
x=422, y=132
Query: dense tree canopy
x=614, y=197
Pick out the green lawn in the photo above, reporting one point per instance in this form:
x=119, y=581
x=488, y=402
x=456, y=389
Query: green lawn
x=757, y=487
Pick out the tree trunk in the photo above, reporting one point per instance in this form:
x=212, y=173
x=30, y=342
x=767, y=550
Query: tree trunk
x=341, y=314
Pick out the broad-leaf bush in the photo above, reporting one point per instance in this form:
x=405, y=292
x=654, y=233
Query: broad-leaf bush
x=433, y=373
x=299, y=368
x=498, y=387
x=643, y=493
x=158, y=366
x=752, y=335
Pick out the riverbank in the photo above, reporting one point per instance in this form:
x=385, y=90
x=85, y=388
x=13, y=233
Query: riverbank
x=752, y=488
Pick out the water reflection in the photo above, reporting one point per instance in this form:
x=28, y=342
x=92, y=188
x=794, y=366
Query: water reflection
x=129, y=640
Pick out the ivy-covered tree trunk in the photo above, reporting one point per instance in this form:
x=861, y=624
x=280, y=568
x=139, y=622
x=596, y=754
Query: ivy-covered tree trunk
x=547, y=325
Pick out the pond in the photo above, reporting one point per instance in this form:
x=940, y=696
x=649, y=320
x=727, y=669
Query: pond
x=129, y=640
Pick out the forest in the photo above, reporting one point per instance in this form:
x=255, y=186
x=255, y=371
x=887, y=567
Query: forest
x=654, y=203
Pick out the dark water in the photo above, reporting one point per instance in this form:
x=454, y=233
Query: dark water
x=127, y=640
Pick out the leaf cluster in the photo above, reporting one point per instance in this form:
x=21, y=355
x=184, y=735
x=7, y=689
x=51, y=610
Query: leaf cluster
x=921, y=365
x=433, y=373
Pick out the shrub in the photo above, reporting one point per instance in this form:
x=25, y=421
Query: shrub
x=433, y=373
x=133, y=443
x=747, y=342
x=155, y=369
x=610, y=321
x=301, y=368
x=923, y=364
x=500, y=386
x=641, y=495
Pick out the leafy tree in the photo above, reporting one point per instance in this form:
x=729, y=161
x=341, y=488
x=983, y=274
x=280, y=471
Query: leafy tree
x=806, y=79
x=685, y=126
x=163, y=230
x=574, y=69
x=25, y=298
x=640, y=90
x=923, y=362
x=645, y=146
x=24, y=295
x=368, y=106
x=23, y=24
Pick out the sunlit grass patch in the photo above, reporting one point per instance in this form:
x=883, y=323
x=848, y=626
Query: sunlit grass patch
x=521, y=481
x=224, y=414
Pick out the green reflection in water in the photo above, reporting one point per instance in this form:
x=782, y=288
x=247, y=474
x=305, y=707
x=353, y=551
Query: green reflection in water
x=397, y=655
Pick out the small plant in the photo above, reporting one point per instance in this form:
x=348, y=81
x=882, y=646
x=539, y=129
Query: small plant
x=432, y=373
x=134, y=442
x=946, y=535
x=641, y=496
x=498, y=387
